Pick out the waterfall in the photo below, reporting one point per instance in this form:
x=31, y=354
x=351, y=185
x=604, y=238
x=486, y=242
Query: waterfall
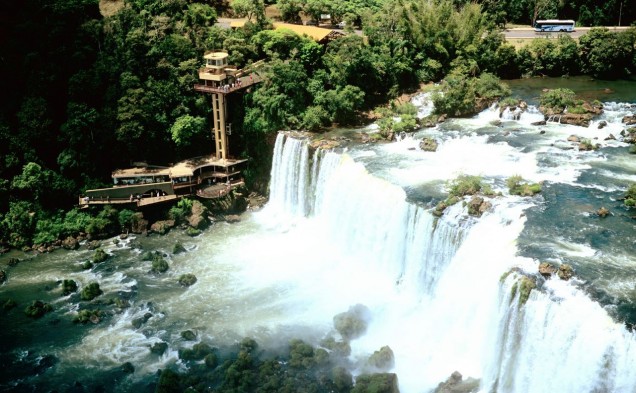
x=559, y=341
x=448, y=309
x=289, y=176
x=366, y=216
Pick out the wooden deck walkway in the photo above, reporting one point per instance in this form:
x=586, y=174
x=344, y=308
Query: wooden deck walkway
x=83, y=202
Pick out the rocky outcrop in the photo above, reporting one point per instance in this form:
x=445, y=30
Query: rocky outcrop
x=138, y=223
x=232, y=218
x=93, y=245
x=456, y=384
x=187, y=280
x=384, y=359
x=70, y=243
x=198, y=216
x=546, y=269
x=585, y=113
x=428, y=144
x=630, y=120
x=574, y=138
x=37, y=309
x=575, y=119
x=603, y=212
x=478, y=206
x=587, y=145
x=162, y=227
x=565, y=272
x=352, y=323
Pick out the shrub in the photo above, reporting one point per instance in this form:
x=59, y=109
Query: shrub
x=87, y=265
x=192, y=232
x=91, y=291
x=198, y=352
x=99, y=256
x=84, y=316
x=301, y=354
x=182, y=210
x=178, y=248
x=630, y=196
x=352, y=323
x=382, y=359
x=465, y=185
x=187, y=280
x=378, y=383
x=557, y=99
x=37, y=309
x=516, y=186
x=9, y=304
x=68, y=287
x=159, y=265
x=125, y=218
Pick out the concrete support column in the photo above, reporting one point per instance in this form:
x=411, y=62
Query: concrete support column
x=218, y=119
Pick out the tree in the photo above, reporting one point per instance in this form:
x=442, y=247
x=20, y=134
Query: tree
x=185, y=128
x=605, y=54
x=250, y=9
x=290, y=10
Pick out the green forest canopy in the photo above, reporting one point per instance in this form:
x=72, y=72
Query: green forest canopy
x=87, y=94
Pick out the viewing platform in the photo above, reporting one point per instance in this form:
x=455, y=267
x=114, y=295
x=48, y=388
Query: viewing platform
x=206, y=176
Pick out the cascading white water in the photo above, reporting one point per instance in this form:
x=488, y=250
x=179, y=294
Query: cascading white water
x=559, y=341
x=367, y=217
x=448, y=309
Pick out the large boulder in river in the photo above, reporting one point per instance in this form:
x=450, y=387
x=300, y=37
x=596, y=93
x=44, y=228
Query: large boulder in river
x=629, y=120
x=3, y=276
x=428, y=144
x=477, y=206
x=546, y=269
x=70, y=243
x=565, y=272
x=162, y=227
x=603, y=212
x=138, y=224
x=198, y=217
x=352, y=323
x=382, y=359
x=576, y=119
x=456, y=384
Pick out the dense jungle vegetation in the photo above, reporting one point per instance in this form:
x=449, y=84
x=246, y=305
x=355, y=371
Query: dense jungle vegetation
x=84, y=94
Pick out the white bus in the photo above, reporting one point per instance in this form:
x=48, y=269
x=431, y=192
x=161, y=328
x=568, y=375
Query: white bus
x=554, y=25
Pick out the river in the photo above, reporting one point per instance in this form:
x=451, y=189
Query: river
x=354, y=226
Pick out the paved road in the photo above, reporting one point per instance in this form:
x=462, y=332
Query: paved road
x=514, y=33
x=530, y=33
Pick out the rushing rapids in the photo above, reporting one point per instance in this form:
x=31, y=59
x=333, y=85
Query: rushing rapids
x=355, y=227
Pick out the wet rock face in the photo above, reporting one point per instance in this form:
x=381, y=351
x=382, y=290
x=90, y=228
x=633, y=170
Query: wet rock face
x=162, y=227
x=198, y=217
x=629, y=120
x=139, y=224
x=456, y=384
x=70, y=243
x=565, y=272
x=603, y=212
x=428, y=144
x=478, y=206
x=546, y=269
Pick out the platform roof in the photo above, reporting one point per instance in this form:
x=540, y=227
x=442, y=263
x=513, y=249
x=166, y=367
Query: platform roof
x=187, y=167
x=141, y=172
